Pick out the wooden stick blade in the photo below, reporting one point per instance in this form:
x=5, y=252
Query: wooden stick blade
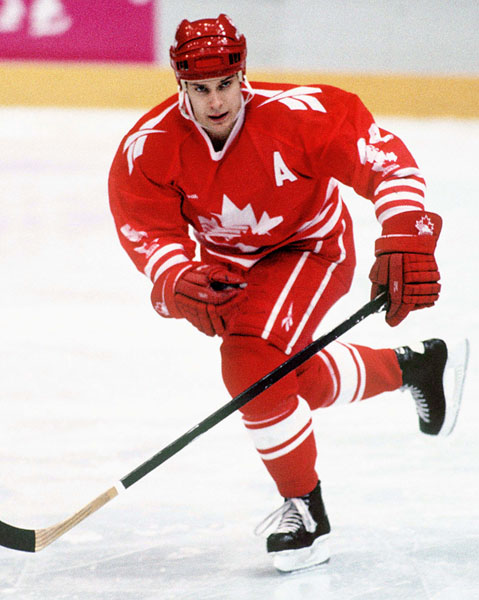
x=34, y=540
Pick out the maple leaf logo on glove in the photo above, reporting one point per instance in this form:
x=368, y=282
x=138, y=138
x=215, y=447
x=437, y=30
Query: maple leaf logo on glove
x=425, y=226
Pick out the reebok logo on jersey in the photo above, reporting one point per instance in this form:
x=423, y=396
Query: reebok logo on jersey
x=288, y=322
x=298, y=98
x=135, y=143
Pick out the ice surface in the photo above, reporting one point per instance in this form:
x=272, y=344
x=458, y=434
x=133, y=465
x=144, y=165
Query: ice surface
x=92, y=383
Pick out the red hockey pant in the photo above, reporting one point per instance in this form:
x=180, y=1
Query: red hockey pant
x=288, y=294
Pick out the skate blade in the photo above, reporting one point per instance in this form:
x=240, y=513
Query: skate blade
x=303, y=558
x=453, y=381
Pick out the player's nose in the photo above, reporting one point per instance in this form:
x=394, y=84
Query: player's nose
x=215, y=100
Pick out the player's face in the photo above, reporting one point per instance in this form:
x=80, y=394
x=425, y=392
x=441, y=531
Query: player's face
x=215, y=104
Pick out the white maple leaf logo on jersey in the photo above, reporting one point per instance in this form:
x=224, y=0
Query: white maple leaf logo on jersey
x=234, y=222
x=298, y=98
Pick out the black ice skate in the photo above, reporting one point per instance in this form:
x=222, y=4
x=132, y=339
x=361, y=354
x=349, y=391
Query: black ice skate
x=435, y=377
x=301, y=537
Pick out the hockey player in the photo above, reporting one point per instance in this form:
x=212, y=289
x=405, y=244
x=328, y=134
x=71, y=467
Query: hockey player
x=253, y=170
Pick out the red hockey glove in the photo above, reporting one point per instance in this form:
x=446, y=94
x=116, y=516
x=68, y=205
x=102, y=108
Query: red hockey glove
x=405, y=265
x=203, y=294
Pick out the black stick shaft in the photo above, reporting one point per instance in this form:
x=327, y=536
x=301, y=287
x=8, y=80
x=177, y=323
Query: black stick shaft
x=254, y=390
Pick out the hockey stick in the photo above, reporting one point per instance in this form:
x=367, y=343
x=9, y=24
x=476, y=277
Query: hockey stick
x=33, y=540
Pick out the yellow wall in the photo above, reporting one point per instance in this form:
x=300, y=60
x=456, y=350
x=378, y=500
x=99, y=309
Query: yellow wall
x=55, y=84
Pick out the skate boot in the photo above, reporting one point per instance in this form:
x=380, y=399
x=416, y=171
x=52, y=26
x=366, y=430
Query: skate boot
x=435, y=377
x=301, y=537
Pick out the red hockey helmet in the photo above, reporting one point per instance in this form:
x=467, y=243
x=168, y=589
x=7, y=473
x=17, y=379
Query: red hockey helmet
x=207, y=48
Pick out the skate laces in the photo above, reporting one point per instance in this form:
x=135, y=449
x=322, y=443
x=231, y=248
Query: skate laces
x=293, y=514
x=422, y=407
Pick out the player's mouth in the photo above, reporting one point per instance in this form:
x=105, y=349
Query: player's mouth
x=218, y=118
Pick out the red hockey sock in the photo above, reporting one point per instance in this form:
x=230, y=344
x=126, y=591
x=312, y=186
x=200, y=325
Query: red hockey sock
x=287, y=448
x=383, y=373
x=279, y=422
x=344, y=373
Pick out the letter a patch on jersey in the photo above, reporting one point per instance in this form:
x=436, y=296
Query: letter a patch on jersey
x=281, y=171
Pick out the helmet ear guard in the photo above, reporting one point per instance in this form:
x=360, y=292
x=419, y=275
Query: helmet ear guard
x=207, y=49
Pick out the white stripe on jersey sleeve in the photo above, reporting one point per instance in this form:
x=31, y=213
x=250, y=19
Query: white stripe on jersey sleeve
x=391, y=212
x=171, y=262
x=404, y=191
x=392, y=183
x=159, y=254
x=397, y=196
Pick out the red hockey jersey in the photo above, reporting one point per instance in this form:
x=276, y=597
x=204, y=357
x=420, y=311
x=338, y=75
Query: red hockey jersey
x=274, y=183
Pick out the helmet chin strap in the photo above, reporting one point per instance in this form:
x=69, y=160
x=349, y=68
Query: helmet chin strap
x=184, y=102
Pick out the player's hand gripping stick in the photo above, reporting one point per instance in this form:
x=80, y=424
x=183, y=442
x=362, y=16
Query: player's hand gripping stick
x=203, y=294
